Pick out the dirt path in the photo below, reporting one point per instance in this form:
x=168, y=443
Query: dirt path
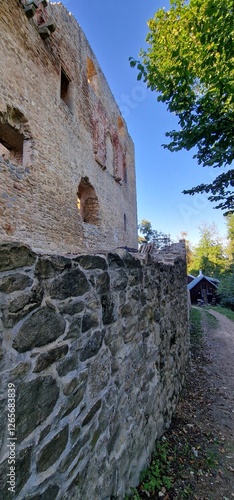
x=217, y=378
x=204, y=419
x=220, y=371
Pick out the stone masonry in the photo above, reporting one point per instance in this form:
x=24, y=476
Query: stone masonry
x=66, y=159
x=96, y=347
x=93, y=343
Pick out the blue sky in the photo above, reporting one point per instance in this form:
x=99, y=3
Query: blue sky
x=115, y=31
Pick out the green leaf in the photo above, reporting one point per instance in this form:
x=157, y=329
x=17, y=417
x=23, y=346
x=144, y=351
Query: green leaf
x=133, y=62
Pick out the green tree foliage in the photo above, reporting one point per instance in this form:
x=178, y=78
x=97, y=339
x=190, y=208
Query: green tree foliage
x=152, y=235
x=208, y=256
x=190, y=63
x=226, y=289
x=230, y=235
x=146, y=229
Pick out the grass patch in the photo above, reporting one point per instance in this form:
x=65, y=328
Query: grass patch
x=225, y=311
x=157, y=475
x=212, y=321
x=175, y=464
x=196, y=332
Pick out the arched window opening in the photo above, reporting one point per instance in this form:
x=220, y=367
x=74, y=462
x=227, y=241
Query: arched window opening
x=87, y=202
x=11, y=144
x=92, y=75
x=120, y=126
x=109, y=154
x=125, y=171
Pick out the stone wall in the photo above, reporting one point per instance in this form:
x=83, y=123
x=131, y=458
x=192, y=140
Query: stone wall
x=96, y=348
x=67, y=174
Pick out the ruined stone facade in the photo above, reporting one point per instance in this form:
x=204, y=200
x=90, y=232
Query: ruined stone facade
x=96, y=348
x=93, y=344
x=67, y=161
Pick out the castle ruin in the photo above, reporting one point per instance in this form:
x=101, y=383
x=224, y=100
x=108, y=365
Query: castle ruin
x=67, y=166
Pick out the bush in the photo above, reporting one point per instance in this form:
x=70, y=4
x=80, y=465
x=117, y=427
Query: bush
x=226, y=291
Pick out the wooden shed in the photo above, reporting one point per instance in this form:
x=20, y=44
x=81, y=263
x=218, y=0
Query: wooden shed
x=203, y=288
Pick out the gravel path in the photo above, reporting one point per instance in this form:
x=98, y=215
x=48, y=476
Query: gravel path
x=200, y=440
x=219, y=370
x=220, y=347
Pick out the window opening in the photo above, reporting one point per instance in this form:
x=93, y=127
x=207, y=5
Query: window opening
x=87, y=202
x=109, y=154
x=11, y=144
x=120, y=126
x=125, y=222
x=65, y=89
x=92, y=76
x=125, y=171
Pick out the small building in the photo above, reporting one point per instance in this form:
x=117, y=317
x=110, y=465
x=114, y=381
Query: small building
x=203, y=288
x=190, y=278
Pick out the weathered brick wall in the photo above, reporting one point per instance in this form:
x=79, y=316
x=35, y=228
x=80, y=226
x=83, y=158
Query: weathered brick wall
x=62, y=129
x=96, y=346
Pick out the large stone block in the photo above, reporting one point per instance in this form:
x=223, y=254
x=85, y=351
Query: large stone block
x=14, y=309
x=76, y=452
x=119, y=279
x=74, y=329
x=114, y=340
x=93, y=345
x=21, y=474
x=71, y=385
x=43, y=327
x=103, y=283
x=90, y=320
x=50, y=266
x=52, y=450
x=91, y=262
x=72, y=284
x=99, y=373
x=73, y=401
x=71, y=307
x=45, y=359
x=73, y=453
x=2, y=352
x=13, y=255
x=15, y=282
x=115, y=261
x=108, y=309
x=68, y=364
x=3, y=420
x=92, y=412
x=49, y=493
x=20, y=371
x=35, y=401
x=129, y=261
